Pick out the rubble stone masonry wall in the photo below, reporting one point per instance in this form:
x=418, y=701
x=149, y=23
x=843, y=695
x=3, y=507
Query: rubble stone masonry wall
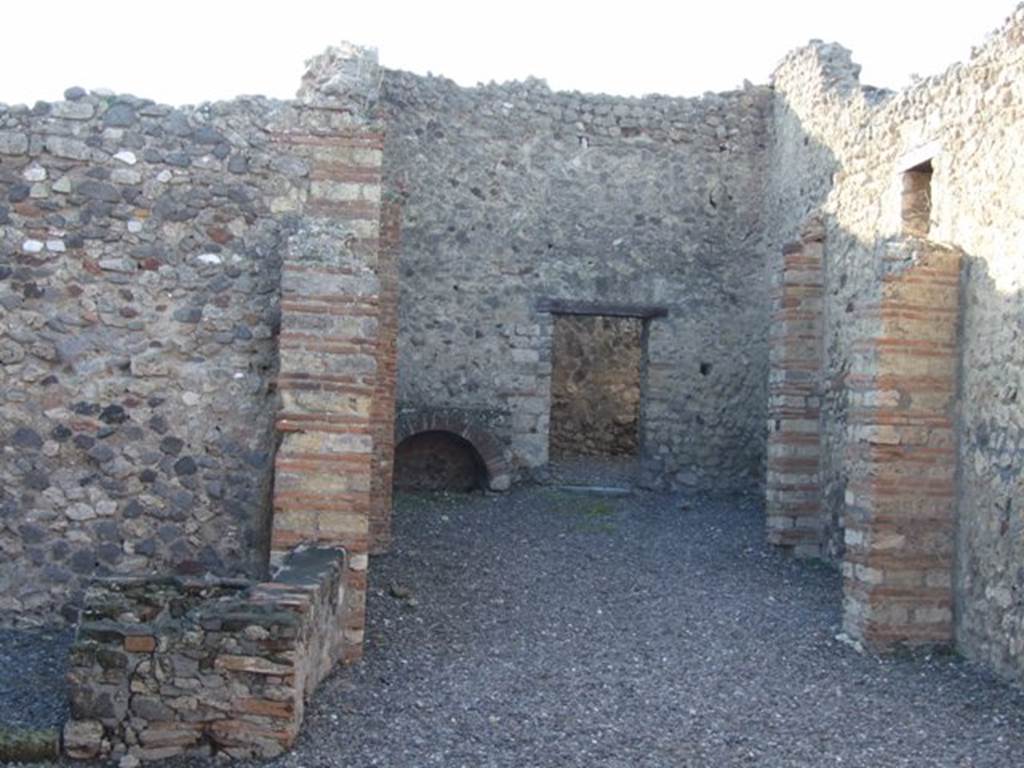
x=202, y=342
x=198, y=329
x=843, y=149
x=166, y=666
x=143, y=254
x=140, y=269
x=513, y=194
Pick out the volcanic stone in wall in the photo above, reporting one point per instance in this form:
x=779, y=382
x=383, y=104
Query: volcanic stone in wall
x=512, y=193
x=595, y=386
x=140, y=277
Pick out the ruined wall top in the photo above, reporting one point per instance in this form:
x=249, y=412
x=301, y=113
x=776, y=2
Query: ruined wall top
x=828, y=69
x=828, y=65
x=345, y=76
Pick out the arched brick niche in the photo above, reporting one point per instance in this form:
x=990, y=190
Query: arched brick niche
x=438, y=461
x=462, y=425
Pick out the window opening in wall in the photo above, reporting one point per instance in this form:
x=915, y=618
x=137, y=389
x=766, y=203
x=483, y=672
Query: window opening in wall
x=917, y=199
x=438, y=460
x=595, y=386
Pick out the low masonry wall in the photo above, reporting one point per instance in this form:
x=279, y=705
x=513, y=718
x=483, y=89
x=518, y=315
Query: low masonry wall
x=167, y=666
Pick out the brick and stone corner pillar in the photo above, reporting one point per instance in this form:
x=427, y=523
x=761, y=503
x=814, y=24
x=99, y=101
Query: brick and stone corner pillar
x=336, y=378
x=793, y=483
x=900, y=501
x=338, y=325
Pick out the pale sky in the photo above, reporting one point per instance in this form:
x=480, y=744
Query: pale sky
x=186, y=51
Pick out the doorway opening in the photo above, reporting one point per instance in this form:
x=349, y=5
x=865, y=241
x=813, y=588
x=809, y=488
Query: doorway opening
x=597, y=363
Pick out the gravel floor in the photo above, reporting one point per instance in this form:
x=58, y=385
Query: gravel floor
x=33, y=691
x=607, y=471
x=543, y=628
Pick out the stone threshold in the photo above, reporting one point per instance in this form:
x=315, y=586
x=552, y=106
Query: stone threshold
x=597, y=490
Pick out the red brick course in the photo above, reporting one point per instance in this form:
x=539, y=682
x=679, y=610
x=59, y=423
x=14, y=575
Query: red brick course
x=793, y=486
x=337, y=377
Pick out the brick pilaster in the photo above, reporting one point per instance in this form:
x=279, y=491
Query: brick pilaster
x=900, y=501
x=793, y=483
x=333, y=346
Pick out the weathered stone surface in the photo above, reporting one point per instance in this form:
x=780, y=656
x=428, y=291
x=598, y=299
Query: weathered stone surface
x=83, y=739
x=62, y=146
x=151, y=709
x=342, y=74
x=73, y=109
x=585, y=198
x=96, y=326
x=99, y=191
x=163, y=666
x=144, y=299
x=24, y=437
x=120, y=116
x=844, y=149
x=13, y=143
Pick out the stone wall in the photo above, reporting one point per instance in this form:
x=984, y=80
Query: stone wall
x=513, y=194
x=845, y=148
x=169, y=666
x=200, y=312
x=145, y=252
x=595, y=385
x=139, y=281
x=177, y=284
x=813, y=85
